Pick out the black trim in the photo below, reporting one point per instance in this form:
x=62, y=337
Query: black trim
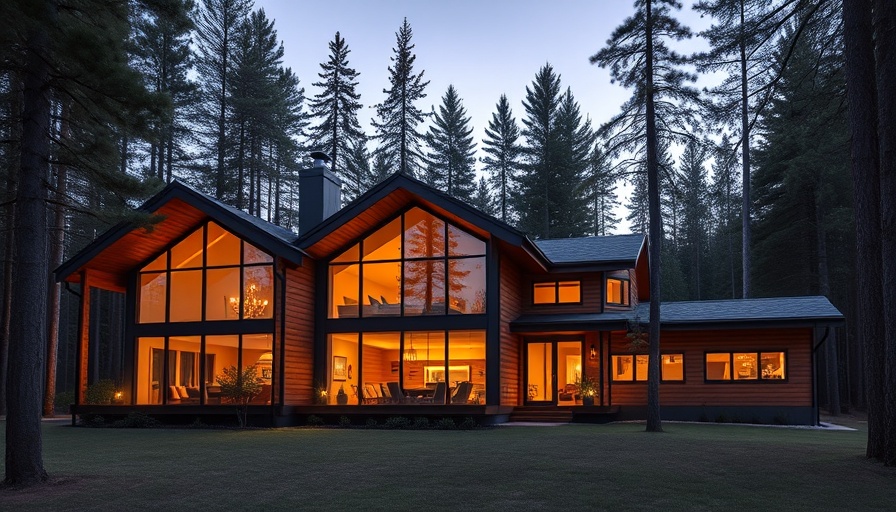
x=493, y=329
x=626, y=284
x=556, y=282
x=758, y=379
x=634, y=379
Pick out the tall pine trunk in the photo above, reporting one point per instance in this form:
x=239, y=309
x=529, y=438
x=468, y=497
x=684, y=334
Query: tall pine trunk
x=745, y=134
x=15, y=95
x=57, y=253
x=861, y=95
x=654, y=423
x=884, y=25
x=27, y=330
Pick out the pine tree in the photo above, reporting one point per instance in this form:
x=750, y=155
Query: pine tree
x=502, y=155
x=725, y=202
x=575, y=138
x=336, y=108
x=216, y=26
x=256, y=63
x=396, y=129
x=161, y=52
x=482, y=197
x=639, y=58
x=600, y=190
x=638, y=209
x=360, y=176
x=74, y=73
x=285, y=152
x=451, y=149
x=536, y=182
x=695, y=216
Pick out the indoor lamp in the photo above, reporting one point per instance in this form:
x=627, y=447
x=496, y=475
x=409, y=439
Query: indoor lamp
x=253, y=307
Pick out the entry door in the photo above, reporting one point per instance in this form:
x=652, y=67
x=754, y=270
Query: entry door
x=550, y=367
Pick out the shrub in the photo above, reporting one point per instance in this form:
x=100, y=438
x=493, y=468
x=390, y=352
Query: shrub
x=371, y=423
x=345, y=422
x=398, y=422
x=64, y=400
x=315, y=421
x=92, y=420
x=421, y=422
x=100, y=392
x=137, y=420
x=468, y=424
x=446, y=424
x=240, y=387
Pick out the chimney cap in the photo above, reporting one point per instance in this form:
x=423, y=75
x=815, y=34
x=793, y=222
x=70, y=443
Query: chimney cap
x=320, y=155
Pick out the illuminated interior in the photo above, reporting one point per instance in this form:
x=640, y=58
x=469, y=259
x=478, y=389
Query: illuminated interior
x=182, y=372
x=671, y=369
x=237, y=279
x=432, y=367
x=542, y=384
x=417, y=264
x=745, y=366
x=557, y=292
x=618, y=293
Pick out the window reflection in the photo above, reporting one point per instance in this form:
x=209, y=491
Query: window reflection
x=440, y=271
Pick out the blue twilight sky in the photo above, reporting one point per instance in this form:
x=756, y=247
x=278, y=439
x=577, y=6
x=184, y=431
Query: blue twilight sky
x=484, y=48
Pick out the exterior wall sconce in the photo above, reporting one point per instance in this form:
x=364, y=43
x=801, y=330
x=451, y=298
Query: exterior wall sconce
x=593, y=352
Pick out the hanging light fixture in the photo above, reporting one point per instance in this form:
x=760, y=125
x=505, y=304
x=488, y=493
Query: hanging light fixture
x=410, y=354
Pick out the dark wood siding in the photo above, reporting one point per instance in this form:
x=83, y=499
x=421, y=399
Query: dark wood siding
x=695, y=391
x=299, y=349
x=511, y=305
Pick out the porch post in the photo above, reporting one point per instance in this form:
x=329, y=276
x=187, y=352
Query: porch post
x=83, y=340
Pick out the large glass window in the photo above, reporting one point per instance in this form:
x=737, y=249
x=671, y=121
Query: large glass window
x=414, y=367
x=618, y=292
x=633, y=368
x=745, y=366
x=557, y=292
x=236, y=277
x=415, y=265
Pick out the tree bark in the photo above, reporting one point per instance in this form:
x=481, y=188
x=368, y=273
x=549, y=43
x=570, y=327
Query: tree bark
x=884, y=26
x=24, y=442
x=57, y=253
x=654, y=423
x=745, y=134
x=861, y=96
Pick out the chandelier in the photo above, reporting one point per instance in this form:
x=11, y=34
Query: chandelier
x=253, y=306
x=410, y=354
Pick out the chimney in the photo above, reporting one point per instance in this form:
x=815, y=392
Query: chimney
x=320, y=193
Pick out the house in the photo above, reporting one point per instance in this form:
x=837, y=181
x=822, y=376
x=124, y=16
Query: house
x=407, y=301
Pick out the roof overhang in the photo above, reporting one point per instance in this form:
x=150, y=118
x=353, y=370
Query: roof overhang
x=180, y=209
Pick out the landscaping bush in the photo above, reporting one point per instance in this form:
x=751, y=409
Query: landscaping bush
x=64, y=400
x=137, y=420
x=345, y=422
x=421, y=422
x=315, y=421
x=446, y=424
x=397, y=422
x=468, y=424
x=100, y=392
x=371, y=423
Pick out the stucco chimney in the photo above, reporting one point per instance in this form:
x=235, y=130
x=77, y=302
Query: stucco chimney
x=320, y=193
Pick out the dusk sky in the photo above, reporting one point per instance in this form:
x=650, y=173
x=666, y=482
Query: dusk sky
x=484, y=48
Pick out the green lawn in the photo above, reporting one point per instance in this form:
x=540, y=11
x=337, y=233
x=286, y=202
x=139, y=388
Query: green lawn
x=571, y=467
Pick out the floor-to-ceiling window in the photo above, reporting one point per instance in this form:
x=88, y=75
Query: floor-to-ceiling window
x=203, y=305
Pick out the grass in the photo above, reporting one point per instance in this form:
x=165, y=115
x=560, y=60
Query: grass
x=572, y=467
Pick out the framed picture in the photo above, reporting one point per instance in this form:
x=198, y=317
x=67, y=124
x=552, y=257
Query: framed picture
x=340, y=364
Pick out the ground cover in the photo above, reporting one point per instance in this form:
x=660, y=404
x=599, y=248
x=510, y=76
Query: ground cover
x=571, y=467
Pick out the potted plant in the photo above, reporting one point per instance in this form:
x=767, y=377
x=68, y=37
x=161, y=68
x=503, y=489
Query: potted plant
x=587, y=387
x=341, y=396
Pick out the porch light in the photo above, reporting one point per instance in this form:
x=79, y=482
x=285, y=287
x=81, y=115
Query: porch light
x=253, y=307
x=593, y=352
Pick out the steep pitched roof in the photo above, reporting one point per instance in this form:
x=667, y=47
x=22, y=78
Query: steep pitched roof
x=594, y=250
x=392, y=195
x=708, y=314
x=126, y=245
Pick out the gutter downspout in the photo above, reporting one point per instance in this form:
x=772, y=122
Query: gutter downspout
x=827, y=332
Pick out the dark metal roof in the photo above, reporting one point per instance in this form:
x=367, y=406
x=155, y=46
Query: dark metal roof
x=621, y=249
x=769, y=312
x=283, y=234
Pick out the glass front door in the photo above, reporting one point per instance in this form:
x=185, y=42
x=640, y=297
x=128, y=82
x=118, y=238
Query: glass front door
x=552, y=368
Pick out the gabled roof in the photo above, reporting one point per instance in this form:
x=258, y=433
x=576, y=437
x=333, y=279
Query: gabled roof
x=617, y=251
x=708, y=314
x=397, y=192
x=126, y=245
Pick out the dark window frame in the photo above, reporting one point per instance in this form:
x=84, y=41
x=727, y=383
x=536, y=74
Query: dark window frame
x=759, y=378
x=634, y=379
x=626, y=284
x=556, y=286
